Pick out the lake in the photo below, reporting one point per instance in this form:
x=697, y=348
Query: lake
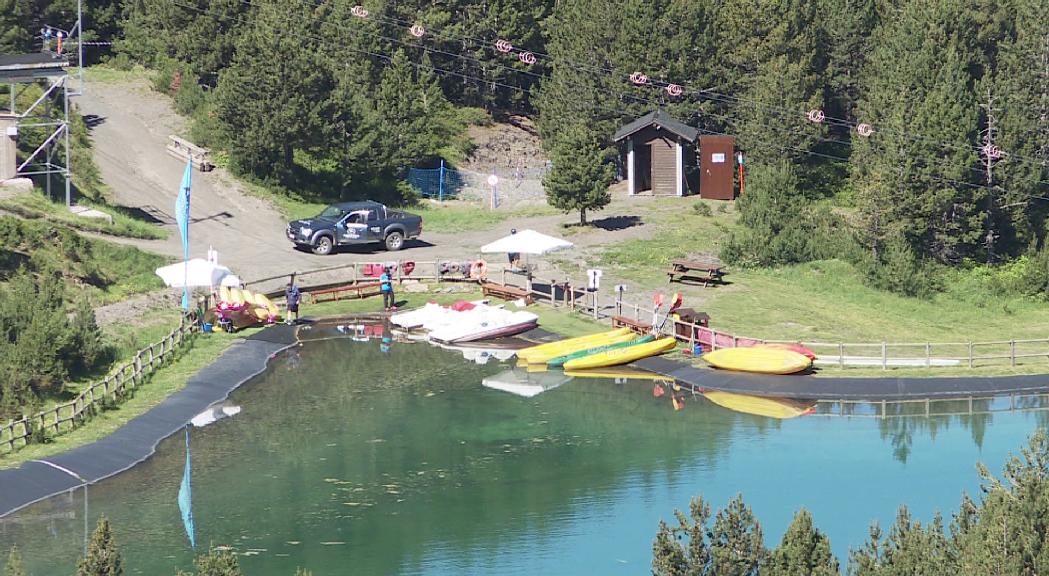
x=345, y=458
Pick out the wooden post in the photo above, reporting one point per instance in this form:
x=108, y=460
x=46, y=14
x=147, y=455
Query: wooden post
x=970, y=354
x=1012, y=353
x=884, y=356
x=841, y=354
x=928, y=355
x=595, y=305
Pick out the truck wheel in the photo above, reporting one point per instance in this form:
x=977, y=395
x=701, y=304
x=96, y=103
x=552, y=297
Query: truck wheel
x=394, y=241
x=323, y=246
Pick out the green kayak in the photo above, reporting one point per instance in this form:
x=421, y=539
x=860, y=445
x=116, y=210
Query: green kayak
x=560, y=360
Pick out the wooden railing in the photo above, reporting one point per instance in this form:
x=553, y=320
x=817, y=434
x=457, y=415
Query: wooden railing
x=882, y=355
x=70, y=415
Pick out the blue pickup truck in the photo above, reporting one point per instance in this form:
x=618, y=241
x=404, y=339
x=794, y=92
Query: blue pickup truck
x=350, y=223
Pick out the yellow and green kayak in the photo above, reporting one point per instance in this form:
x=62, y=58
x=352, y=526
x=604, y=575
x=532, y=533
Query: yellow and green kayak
x=622, y=355
x=758, y=359
x=617, y=373
x=616, y=343
x=543, y=352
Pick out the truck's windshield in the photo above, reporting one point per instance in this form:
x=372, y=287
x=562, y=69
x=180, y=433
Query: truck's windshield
x=330, y=212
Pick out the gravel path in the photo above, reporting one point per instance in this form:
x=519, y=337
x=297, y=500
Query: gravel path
x=130, y=128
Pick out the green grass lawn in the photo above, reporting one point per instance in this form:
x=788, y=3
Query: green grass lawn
x=34, y=205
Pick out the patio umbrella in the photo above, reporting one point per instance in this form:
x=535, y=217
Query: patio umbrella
x=197, y=272
x=231, y=280
x=526, y=242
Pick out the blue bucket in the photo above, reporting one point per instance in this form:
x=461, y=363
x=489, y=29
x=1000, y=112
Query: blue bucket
x=206, y=327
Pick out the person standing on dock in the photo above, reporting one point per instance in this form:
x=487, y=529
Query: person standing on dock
x=292, y=295
x=386, y=287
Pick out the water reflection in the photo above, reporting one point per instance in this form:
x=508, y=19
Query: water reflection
x=407, y=461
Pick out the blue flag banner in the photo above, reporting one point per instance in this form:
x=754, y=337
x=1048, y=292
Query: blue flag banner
x=182, y=219
x=185, y=498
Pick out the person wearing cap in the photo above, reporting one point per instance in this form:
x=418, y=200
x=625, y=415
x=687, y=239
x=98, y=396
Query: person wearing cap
x=515, y=257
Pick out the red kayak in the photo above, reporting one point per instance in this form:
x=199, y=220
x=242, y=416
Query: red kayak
x=792, y=347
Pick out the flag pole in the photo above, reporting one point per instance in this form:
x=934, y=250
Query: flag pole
x=182, y=219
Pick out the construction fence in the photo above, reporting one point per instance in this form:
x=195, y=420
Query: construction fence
x=513, y=186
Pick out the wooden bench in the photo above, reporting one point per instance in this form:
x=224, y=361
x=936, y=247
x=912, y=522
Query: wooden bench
x=505, y=292
x=355, y=290
x=186, y=150
x=697, y=271
x=635, y=325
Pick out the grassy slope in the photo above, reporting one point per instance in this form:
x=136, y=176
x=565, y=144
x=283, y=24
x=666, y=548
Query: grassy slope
x=35, y=206
x=202, y=351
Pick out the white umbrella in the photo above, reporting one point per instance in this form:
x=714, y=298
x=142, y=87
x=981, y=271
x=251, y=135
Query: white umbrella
x=231, y=280
x=526, y=242
x=197, y=272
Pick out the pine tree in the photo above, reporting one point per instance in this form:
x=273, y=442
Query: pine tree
x=913, y=175
x=581, y=173
x=407, y=113
x=14, y=26
x=804, y=551
x=218, y=563
x=103, y=557
x=683, y=550
x=776, y=66
x=737, y=547
x=272, y=99
x=14, y=566
x=847, y=26
x=776, y=230
x=1008, y=532
x=204, y=37
x=1021, y=86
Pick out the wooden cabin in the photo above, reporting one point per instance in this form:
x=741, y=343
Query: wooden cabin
x=662, y=158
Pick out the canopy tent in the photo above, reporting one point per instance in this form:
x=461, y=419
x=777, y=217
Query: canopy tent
x=526, y=242
x=196, y=272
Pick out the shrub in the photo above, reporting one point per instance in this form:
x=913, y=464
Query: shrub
x=701, y=209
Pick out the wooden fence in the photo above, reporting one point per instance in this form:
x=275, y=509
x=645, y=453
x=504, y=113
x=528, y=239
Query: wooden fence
x=600, y=306
x=882, y=355
x=68, y=416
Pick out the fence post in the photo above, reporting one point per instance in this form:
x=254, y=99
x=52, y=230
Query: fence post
x=595, y=304
x=928, y=355
x=1012, y=352
x=841, y=354
x=884, y=356
x=970, y=354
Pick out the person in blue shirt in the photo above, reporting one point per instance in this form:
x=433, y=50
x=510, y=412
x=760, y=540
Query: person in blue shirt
x=386, y=287
x=292, y=295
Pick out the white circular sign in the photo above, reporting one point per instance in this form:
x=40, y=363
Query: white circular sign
x=493, y=180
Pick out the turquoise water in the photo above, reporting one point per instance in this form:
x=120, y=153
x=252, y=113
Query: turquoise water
x=345, y=459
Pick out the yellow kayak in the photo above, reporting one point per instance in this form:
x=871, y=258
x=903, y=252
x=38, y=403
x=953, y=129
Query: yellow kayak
x=543, y=352
x=622, y=355
x=782, y=408
x=617, y=372
x=758, y=359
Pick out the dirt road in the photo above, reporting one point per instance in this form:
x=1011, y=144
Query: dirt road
x=130, y=125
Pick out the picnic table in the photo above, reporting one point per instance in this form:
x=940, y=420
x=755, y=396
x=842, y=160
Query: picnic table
x=706, y=271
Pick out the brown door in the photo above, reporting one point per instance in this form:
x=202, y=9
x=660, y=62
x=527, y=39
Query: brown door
x=664, y=167
x=717, y=167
